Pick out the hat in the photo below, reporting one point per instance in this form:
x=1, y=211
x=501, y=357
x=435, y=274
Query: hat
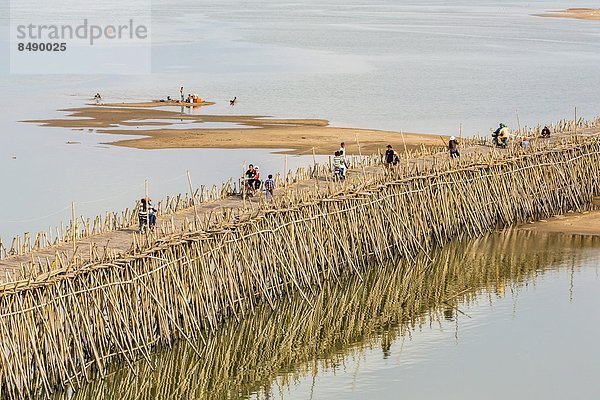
x=389, y=146
x=452, y=138
x=256, y=167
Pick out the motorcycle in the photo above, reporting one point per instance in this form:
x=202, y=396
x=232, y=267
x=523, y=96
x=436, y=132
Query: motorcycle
x=249, y=188
x=498, y=142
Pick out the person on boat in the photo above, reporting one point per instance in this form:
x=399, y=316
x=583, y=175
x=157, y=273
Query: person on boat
x=232, y=101
x=545, y=132
x=98, y=98
x=453, y=147
x=181, y=93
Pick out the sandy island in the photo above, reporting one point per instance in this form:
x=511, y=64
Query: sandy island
x=297, y=135
x=576, y=13
x=586, y=223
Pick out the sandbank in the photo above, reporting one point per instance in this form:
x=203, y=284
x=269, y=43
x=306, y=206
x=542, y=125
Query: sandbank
x=592, y=14
x=586, y=223
x=300, y=136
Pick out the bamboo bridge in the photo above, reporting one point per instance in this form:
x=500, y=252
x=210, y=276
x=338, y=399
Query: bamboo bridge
x=100, y=294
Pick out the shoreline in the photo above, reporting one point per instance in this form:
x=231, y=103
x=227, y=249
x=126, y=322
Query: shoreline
x=154, y=130
x=586, y=223
x=588, y=14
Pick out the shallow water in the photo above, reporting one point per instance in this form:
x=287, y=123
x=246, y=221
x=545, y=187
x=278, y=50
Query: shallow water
x=511, y=315
x=150, y=124
x=402, y=65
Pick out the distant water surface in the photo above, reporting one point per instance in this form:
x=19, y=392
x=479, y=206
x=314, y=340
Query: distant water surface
x=400, y=65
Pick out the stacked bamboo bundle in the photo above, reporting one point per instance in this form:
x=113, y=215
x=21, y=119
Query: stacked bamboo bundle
x=340, y=321
x=71, y=319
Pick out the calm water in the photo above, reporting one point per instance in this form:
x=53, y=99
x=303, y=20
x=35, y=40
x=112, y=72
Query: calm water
x=386, y=64
x=519, y=317
x=513, y=315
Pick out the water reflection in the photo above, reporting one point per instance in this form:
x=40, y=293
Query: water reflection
x=277, y=348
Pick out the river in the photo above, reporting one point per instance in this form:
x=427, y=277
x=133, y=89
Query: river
x=389, y=64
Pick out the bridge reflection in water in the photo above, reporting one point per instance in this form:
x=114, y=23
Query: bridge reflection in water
x=297, y=338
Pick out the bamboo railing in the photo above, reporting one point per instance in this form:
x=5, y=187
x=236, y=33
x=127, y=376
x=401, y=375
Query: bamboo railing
x=68, y=320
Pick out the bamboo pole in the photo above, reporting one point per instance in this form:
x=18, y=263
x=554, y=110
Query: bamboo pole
x=575, y=128
x=285, y=170
x=362, y=165
x=147, y=205
x=193, y=197
x=404, y=144
x=315, y=168
x=74, y=227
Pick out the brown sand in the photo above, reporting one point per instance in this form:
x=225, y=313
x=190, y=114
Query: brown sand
x=298, y=135
x=576, y=13
x=587, y=223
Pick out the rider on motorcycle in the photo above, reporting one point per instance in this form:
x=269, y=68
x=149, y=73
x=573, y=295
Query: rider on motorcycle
x=500, y=135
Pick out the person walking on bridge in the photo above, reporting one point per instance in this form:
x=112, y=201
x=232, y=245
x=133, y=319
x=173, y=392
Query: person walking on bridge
x=453, y=147
x=269, y=188
x=546, y=132
x=339, y=165
x=146, y=214
x=390, y=157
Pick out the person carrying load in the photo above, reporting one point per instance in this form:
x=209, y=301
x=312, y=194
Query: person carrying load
x=453, y=147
